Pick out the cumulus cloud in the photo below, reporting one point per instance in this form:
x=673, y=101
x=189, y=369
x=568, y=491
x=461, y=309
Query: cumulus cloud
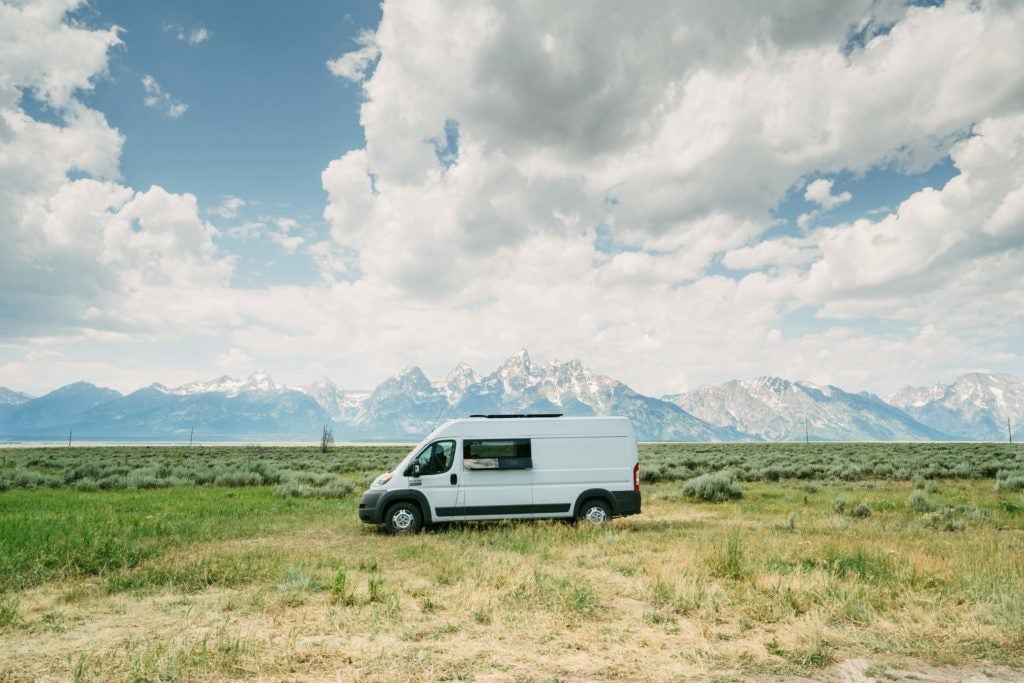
x=820, y=192
x=158, y=99
x=677, y=139
x=928, y=250
x=576, y=180
x=85, y=252
x=353, y=65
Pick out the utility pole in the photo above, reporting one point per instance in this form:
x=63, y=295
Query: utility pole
x=71, y=429
x=190, y=432
x=807, y=433
x=1009, y=434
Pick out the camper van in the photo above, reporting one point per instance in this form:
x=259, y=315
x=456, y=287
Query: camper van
x=511, y=467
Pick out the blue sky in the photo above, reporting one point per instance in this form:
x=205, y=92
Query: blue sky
x=673, y=193
x=264, y=117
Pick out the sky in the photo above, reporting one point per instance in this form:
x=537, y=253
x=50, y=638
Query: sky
x=675, y=193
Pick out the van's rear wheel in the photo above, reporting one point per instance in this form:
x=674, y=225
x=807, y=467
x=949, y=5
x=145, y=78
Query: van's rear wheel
x=594, y=512
x=403, y=518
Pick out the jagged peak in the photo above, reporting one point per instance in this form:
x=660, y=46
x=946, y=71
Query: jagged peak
x=521, y=359
x=410, y=371
x=459, y=371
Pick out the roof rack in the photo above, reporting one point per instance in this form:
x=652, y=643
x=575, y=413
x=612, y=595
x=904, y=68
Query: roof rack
x=505, y=417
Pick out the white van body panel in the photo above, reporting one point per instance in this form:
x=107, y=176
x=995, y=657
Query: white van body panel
x=551, y=463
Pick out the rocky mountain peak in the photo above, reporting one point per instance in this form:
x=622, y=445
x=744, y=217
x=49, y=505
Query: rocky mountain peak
x=455, y=383
x=260, y=381
x=9, y=397
x=516, y=366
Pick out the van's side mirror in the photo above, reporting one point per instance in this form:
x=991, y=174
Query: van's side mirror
x=416, y=470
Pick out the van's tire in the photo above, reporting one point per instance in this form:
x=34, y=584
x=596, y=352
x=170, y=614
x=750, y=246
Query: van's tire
x=403, y=518
x=595, y=512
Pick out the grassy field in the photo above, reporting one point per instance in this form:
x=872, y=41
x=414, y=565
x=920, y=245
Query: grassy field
x=893, y=573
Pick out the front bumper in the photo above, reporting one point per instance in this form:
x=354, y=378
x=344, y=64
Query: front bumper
x=369, y=507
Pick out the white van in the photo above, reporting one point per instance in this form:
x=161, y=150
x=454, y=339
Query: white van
x=511, y=467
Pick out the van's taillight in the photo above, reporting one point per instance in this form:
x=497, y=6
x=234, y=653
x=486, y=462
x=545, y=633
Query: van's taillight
x=636, y=477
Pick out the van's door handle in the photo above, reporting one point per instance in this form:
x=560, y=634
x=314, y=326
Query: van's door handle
x=454, y=479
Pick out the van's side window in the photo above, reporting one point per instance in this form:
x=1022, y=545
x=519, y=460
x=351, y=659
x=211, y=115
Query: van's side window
x=497, y=454
x=434, y=459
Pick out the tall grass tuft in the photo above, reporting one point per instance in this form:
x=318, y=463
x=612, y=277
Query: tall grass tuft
x=729, y=562
x=8, y=610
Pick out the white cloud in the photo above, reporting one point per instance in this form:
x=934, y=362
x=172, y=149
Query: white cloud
x=52, y=58
x=820, y=192
x=198, y=35
x=771, y=253
x=192, y=36
x=87, y=255
x=353, y=65
x=680, y=143
x=158, y=99
x=277, y=230
x=570, y=180
x=228, y=207
x=922, y=252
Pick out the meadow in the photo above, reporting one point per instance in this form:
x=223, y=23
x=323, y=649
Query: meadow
x=230, y=563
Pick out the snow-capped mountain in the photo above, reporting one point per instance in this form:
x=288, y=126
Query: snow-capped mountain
x=976, y=405
x=456, y=382
x=12, y=398
x=225, y=408
x=340, y=404
x=258, y=381
x=56, y=411
x=409, y=404
x=776, y=409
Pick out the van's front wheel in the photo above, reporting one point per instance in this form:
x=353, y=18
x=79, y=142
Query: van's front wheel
x=595, y=512
x=403, y=518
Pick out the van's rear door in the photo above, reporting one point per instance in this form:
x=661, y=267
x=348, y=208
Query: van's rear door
x=565, y=467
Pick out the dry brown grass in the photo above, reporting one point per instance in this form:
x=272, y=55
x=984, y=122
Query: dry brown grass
x=732, y=591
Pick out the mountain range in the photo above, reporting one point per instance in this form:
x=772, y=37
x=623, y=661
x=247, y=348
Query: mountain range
x=408, y=405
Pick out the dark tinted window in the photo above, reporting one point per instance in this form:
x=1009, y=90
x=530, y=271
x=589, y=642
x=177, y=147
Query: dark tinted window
x=497, y=454
x=434, y=459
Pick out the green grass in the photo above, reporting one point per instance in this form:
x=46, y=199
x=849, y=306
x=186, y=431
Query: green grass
x=48, y=535
x=237, y=582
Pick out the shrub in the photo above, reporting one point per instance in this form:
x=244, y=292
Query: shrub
x=918, y=502
x=1010, y=483
x=334, y=489
x=237, y=478
x=839, y=504
x=712, y=488
x=86, y=484
x=861, y=510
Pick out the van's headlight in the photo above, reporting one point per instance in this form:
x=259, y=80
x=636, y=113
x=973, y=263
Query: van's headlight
x=381, y=480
